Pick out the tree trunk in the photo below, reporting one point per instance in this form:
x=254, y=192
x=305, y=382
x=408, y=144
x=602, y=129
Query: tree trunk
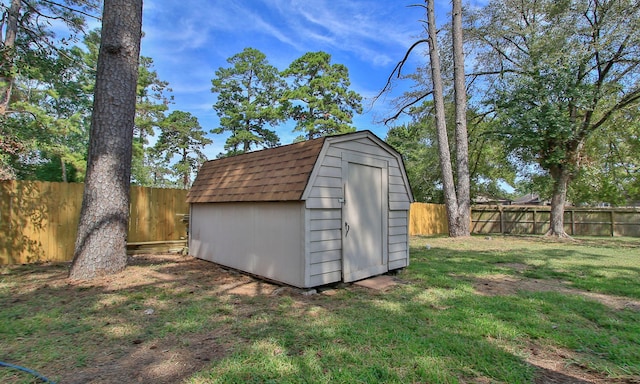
x=63, y=167
x=102, y=231
x=463, y=219
x=450, y=199
x=561, y=178
x=187, y=173
x=8, y=54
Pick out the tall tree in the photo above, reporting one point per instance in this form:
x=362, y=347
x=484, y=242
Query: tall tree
x=101, y=246
x=462, y=224
x=562, y=71
x=444, y=155
x=249, y=99
x=10, y=18
x=489, y=167
x=152, y=101
x=182, y=136
x=456, y=190
x=320, y=100
x=30, y=55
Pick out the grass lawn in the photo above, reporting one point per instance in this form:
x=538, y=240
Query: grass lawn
x=477, y=310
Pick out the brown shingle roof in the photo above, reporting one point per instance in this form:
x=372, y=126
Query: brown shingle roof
x=276, y=174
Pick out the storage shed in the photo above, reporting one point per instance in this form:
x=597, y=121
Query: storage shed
x=306, y=214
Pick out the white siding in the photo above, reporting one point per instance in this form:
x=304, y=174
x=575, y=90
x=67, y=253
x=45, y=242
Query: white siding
x=324, y=246
x=327, y=186
x=398, y=189
x=324, y=207
x=300, y=242
x=398, y=239
x=266, y=239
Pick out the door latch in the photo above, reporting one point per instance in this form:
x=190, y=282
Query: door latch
x=346, y=227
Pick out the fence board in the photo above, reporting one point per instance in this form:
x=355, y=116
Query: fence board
x=430, y=219
x=39, y=220
x=427, y=219
x=535, y=220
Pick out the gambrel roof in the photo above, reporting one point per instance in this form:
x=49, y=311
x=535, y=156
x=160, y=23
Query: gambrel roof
x=274, y=174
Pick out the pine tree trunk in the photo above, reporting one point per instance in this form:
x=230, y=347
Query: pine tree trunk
x=63, y=167
x=8, y=53
x=187, y=173
x=102, y=231
x=463, y=219
x=444, y=156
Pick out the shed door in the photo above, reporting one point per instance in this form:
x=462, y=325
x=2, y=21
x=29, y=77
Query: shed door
x=364, y=230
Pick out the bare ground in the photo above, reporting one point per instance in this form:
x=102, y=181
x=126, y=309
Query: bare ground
x=555, y=365
x=171, y=360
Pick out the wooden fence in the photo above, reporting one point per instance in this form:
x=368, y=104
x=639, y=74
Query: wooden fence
x=39, y=220
x=535, y=220
x=431, y=219
x=428, y=219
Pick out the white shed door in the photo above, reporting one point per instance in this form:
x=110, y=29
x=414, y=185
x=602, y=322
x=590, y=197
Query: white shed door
x=364, y=214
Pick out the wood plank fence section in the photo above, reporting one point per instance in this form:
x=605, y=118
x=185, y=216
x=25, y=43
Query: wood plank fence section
x=428, y=219
x=431, y=219
x=534, y=220
x=39, y=220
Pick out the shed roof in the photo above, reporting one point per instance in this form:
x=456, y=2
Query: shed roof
x=275, y=174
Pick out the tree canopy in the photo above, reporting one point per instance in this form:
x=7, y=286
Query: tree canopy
x=42, y=114
x=249, y=99
x=183, y=137
x=561, y=72
x=320, y=100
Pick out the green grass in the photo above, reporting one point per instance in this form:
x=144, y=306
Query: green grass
x=435, y=328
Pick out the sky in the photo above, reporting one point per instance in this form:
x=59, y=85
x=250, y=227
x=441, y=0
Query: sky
x=190, y=39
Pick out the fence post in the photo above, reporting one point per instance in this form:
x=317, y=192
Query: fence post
x=534, y=222
x=573, y=223
x=501, y=219
x=613, y=223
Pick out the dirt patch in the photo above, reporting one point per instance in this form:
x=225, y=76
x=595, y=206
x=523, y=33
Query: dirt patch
x=161, y=361
x=164, y=359
x=553, y=365
x=559, y=366
x=378, y=283
x=501, y=284
x=172, y=359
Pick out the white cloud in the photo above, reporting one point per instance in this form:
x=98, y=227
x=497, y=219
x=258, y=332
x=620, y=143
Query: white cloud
x=190, y=39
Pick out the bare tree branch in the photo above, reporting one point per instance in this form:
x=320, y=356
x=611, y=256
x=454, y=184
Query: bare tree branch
x=397, y=69
x=404, y=107
x=71, y=9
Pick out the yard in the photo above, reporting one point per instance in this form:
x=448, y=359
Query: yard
x=479, y=310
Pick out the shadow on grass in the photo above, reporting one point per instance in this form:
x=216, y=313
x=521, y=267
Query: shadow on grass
x=203, y=329
x=606, y=269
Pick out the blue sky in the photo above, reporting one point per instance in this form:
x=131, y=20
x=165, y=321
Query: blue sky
x=189, y=39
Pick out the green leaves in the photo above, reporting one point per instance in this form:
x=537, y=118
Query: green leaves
x=561, y=74
x=182, y=137
x=249, y=98
x=252, y=95
x=319, y=96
